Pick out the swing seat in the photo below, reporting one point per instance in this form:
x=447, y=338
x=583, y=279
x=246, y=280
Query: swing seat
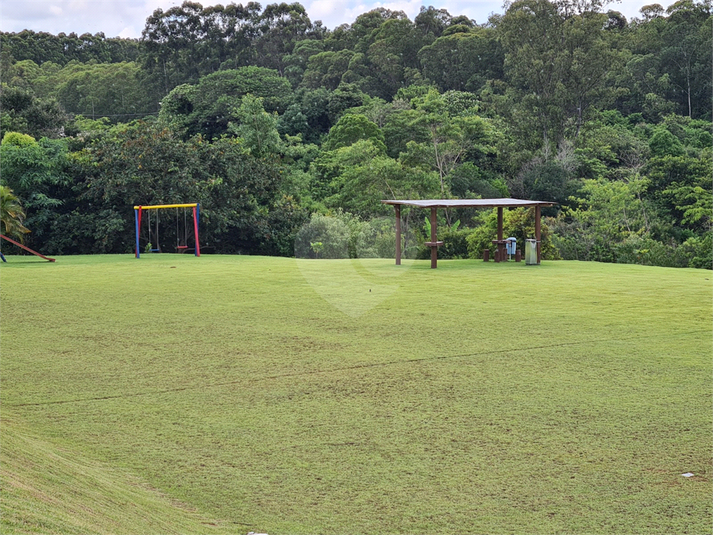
x=181, y=246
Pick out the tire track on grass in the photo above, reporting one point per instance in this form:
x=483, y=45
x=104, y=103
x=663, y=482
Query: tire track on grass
x=347, y=368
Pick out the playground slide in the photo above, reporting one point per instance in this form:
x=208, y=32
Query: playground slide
x=25, y=248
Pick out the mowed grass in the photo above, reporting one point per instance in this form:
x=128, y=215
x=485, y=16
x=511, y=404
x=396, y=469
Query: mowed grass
x=237, y=394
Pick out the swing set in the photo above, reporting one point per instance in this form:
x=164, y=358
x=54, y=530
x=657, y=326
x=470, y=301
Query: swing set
x=153, y=229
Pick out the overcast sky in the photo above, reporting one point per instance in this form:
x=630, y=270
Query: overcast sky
x=126, y=18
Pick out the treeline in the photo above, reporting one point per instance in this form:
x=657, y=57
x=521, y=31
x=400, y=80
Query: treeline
x=287, y=131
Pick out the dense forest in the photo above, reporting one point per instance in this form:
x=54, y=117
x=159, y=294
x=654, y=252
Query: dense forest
x=290, y=134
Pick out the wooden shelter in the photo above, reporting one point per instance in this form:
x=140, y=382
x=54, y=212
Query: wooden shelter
x=435, y=204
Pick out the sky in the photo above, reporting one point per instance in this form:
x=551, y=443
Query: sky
x=126, y=18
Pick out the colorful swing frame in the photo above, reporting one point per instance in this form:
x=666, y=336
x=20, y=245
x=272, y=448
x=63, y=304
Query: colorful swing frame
x=138, y=211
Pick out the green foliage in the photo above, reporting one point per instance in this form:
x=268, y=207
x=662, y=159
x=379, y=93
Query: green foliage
x=115, y=90
x=536, y=103
x=11, y=215
x=350, y=129
x=455, y=244
x=470, y=181
x=208, y=107
x=36, y=171
x=343, y=98
x=326, y=69
x=608, y=214
x=471, y=57
x=22, y=111
x=41, y=47
x=664, y=143
x=127, y=166
x=650, y=252
x=557, y=62
x=454, y=134
x=702, y=251
x=256, y=128
x=17, y=139
x=332, y=234
x=360, y=176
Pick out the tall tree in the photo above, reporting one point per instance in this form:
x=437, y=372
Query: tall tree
x=280, y=27
x=687, y=54
x=464, y=60
x=557, y=58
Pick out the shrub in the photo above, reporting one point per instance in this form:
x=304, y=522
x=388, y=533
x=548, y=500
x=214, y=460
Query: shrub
x=324, y=237
x=702, y=251
x=344, y=235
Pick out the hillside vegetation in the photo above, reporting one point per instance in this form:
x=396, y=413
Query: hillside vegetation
x=270, y=120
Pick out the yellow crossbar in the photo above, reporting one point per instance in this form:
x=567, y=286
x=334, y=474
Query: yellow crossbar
x=166, y=206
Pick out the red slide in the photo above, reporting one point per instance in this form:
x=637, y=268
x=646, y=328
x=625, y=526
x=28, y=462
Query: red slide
x=26, y=248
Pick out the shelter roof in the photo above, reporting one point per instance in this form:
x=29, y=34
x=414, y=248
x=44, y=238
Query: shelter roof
x=463, y=203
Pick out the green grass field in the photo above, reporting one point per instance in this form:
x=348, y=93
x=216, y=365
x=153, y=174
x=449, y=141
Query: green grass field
x=228, y=394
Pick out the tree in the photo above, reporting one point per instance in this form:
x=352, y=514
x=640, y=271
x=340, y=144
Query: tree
x=36, y=172
x=296, y=61
x=350, y=129
x=463, y=61
x=41, y=47
x=608, y=214
x=393, y=55
x=280, y=27
x=147, y=162
x=22, y=111
x=256, y=127
x=557, y=57
x=186, y=42
x=326, y=69
x=669, y=68
x=451, y=138
x=11, y=215
x=114, y=90
x=359, y=176
x=431, y=22
x=686, y=54
x=207, y=108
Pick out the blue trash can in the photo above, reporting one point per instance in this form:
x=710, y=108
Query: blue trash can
x=511, y=245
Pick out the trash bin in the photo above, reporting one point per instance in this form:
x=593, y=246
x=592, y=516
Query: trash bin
x=511, y=244
x=531, y=252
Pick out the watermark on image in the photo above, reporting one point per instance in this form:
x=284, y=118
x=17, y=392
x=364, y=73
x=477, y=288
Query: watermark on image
x=350, y=263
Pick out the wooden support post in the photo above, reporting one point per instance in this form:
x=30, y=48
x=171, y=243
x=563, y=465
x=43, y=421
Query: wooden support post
x=500, y=255
x=537, y=232
x=500, y=223
x=434, y=246
x=397, y=209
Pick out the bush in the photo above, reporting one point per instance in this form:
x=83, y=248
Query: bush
x=649, y=252
x=702, y=251
x=344, y=235
x=323, y=237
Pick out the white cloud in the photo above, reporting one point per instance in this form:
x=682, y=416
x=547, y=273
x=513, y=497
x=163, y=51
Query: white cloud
x=113, y=17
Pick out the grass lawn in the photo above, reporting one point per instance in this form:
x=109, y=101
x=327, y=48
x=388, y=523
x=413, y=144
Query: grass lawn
x=228, y=394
